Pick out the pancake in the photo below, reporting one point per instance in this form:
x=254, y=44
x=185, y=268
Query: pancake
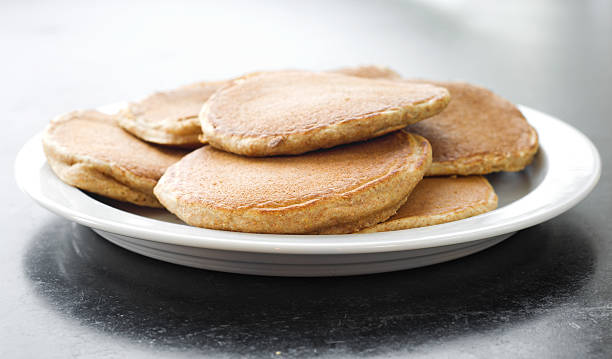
x=370, y=71
x=293, y=112
x=339, y=190
x=170, y=117
x=478, y=133
x=88, y=150
x=437, y=200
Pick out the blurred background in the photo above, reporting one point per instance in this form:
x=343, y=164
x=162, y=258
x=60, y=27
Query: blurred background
x=73, y=54
x=544, y=292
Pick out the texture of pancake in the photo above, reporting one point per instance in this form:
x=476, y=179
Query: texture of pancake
x=293, y=112
x=88, y=150
x=171, y=117
x=339, y=190
x=478, y=133
x=370, y=71
x=437, y=200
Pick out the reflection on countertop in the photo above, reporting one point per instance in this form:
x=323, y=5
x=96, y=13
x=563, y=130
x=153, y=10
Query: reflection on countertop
x=100, y=285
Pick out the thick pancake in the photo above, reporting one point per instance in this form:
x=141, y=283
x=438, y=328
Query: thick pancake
x=293, y=112
x=371, y=71
x=478, y=133
x=171, y=117
x=437, y=200
x=339, y=190
x=88, y=150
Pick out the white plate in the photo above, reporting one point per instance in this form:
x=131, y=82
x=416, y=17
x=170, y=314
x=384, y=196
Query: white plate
x=565, y=170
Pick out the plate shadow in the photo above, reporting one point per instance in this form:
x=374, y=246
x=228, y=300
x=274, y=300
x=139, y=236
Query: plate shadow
x=88, y=279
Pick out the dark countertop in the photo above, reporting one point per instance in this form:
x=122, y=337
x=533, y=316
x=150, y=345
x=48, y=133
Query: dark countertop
x=65, y=292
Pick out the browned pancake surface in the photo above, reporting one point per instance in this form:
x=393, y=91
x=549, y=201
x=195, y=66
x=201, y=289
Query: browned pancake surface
x=97, y=135
x=336, y=190
x=438, y=200
x=287, y=102
x=478, y=133
x=181, y=104
x=169, y=117
x=439, y=195
x=227, y=180
x=293, y=112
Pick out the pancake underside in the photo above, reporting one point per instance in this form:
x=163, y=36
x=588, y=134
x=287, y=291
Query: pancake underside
x=101, y=178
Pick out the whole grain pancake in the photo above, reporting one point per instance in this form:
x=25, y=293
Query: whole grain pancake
x=478, y=133
x=437, y=200
x=88, y=150
x=339, y=190
x=170, y=117
x=370, y=71
x=293, y=112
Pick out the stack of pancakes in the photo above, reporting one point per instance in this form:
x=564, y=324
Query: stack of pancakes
x=344, y=151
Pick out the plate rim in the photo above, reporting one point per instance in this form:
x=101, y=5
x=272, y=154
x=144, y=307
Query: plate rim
x=470, y=229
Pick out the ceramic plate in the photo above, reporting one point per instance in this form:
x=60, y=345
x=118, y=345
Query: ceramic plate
x=565, y=170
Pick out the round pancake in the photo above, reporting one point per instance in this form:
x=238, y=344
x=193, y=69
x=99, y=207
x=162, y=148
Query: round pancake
x=171, y=117
x=370, y=71
x=293, y=112
x=339, y=190
x=437, y=200
x=478, y=133
x=88, y=150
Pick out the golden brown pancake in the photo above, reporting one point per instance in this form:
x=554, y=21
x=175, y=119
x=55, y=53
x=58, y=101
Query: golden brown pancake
x=88, y=150
x=171, y=117
x=478, y=133
x=293, y=112
x=371, y=71
x=437, y=200
x=339, y=190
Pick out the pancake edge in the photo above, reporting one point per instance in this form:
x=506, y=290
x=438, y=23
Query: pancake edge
x=88, y=178
x=347, y=131
x=180, y=132
x=337, y=212
x=76, y=170
x=187, y=135
x=461, y=212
